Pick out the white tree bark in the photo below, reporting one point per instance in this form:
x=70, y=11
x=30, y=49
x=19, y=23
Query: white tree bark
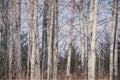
x=55, y=48
x=113, y=50
x=70, y=41
x=82, y=32
x=29, y=52
x=29, y=44
x=37, y=56
x=116, y=58
x=94, y=39
x=90, y=23
x=10, y=42
x=35, y=65
x=49, y=69
x=92, y=57
x=32, y=58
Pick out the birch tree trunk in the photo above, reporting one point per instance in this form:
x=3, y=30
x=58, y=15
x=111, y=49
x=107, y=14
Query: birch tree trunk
x=90, y=23
x=29, y=44
x=113, y=52
x=35, y=65
x=37, y=57
x=49, y=69
x=29, y=52
x=116, y=64
x=55, y=44
x=116, y=41
x=32, y=58
x=31, y=55
x=70, y=41
x=10, y=51
x=94, y=40
x=17, y=37
x=82, y=34
x=92, y=57
x=44, y=35
x=88, y=43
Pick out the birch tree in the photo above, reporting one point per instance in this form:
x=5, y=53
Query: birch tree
x=17, y=37
x=52, y=40
x=50, y=17
x=29, y=43
x=90, y=23
x=82, y=34
x=44, y=35
x=93, y=25
x=70, y=41
x=10, y=51
x=32, y=58
x=113, y=48
x=55, y=44
x=29, y=52
x=35, y=65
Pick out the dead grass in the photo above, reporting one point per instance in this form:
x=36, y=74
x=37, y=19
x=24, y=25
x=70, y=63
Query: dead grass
x=61, y=77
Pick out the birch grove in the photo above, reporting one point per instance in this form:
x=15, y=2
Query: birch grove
x=59, y=40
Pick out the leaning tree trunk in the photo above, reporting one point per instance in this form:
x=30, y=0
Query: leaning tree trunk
x=113, y=52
